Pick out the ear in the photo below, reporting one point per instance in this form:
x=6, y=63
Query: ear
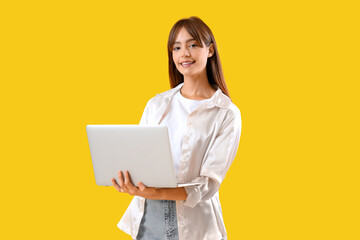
x=211, y=50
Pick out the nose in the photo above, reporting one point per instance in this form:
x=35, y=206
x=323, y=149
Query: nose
x=186, y=52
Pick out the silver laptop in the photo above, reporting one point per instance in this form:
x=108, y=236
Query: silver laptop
x=142, y=150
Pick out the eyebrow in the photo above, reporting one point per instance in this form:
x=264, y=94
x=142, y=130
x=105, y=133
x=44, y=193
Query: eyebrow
x=185, y=41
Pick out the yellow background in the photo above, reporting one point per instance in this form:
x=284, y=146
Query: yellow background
x=292, y=67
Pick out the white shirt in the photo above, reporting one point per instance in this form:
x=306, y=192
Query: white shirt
x=175, y=120
x=209, y=146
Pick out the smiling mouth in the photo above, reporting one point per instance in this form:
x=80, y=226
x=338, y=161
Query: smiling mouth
x=187, y=64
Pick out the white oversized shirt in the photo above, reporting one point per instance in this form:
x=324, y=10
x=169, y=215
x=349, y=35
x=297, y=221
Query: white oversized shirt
x=175, y=120
x=209, y=146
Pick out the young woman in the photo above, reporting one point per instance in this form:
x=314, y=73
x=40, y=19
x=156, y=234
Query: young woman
x=204, y=129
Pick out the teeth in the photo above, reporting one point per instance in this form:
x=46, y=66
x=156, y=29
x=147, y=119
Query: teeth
x=187, y=63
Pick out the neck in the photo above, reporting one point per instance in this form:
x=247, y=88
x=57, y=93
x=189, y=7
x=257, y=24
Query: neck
x=197, y=87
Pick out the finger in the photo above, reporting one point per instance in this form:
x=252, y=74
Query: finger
x=115, y=184
x=121, y=181
x=132, y=189
x=141, y=186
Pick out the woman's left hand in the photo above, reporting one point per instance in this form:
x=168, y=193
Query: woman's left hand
x=126, y=186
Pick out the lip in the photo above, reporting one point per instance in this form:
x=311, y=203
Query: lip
x=187, y=65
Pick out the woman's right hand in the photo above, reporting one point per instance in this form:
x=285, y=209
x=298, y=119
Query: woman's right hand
x=125, y=186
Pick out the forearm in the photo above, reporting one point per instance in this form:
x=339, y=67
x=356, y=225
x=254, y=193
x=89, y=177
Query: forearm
x=172, y=193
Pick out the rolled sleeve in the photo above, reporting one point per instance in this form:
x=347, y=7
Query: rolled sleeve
x=206, y=190
x=216, y=162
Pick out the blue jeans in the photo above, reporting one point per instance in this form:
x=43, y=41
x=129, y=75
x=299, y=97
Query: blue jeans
x=159, y=221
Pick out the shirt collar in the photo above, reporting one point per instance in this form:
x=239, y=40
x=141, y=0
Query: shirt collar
x=218, y=99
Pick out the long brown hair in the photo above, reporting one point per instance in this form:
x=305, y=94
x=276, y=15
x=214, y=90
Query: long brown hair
x=201, y=33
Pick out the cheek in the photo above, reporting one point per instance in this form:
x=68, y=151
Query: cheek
x=174, y=57
x=203, y=61
x=202, y=57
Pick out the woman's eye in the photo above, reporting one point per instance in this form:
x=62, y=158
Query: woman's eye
x=191, y=45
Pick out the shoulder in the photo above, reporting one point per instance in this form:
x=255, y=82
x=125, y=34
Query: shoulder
x=231, y=109
x=155, y=101
x=160, y=98
x=232, y=114
x=232, y=117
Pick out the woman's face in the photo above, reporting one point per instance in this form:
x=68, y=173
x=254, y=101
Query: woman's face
x=190, y=59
